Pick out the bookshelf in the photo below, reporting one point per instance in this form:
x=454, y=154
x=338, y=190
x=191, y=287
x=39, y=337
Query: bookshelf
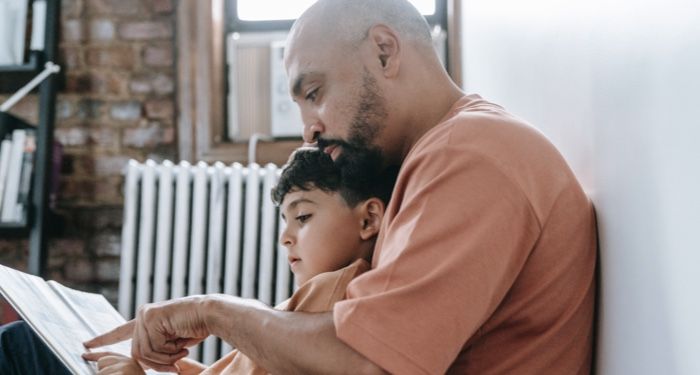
x=36, y=223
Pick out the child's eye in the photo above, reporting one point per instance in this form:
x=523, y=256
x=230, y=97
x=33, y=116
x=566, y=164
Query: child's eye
x=303, y=218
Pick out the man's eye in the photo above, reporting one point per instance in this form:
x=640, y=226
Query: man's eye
x=303, y=218
x=311, y=96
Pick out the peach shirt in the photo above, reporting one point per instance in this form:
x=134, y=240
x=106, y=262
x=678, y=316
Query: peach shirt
x=485, y=262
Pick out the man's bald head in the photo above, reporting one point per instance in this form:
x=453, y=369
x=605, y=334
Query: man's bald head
x=348, y=21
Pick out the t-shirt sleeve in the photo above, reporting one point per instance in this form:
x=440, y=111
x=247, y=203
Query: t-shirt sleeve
x=447, y=258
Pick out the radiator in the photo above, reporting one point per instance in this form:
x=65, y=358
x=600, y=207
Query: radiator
x=194, y=229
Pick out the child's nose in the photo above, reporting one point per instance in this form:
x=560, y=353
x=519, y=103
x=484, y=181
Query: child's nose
x=286, y=239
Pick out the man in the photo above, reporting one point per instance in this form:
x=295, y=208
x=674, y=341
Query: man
x=486, y=256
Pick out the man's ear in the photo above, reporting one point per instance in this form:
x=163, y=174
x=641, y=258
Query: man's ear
x=371, y=213
x=386, y=43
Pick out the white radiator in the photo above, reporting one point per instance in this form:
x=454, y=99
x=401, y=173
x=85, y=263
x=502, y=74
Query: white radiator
x=201, y=229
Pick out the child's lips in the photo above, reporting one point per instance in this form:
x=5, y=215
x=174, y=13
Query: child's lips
x=293, y=260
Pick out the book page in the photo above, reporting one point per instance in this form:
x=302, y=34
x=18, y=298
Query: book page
x=49, y=317
x=96, y=313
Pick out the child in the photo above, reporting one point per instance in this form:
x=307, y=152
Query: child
x=332, y=224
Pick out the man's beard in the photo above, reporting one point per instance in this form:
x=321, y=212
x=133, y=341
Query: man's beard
x=360, y=158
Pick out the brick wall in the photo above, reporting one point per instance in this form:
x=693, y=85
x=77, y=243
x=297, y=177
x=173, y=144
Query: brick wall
x=117, y=103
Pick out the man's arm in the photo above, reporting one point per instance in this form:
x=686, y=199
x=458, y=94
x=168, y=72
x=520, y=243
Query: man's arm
x=281, y=341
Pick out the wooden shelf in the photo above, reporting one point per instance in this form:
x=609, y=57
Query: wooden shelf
x=13, y=77
x=39, y=223
x=14, y=230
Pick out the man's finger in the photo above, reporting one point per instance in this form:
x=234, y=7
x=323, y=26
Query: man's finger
x=116, y=335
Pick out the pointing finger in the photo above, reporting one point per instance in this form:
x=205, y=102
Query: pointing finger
x=116, y=335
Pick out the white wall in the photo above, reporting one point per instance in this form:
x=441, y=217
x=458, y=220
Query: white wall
x=616, y=86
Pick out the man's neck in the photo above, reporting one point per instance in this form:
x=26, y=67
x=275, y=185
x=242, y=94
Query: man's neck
x=430, y=113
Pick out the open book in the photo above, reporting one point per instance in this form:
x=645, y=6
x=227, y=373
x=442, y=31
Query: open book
x=62, y=317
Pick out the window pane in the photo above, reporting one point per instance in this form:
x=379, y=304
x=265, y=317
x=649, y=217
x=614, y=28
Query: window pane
x=270, y=10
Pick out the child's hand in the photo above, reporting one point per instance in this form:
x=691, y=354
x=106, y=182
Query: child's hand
x=109, y=363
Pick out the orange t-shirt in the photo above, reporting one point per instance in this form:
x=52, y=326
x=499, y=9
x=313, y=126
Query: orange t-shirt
x=485, y=260
x=319, y=294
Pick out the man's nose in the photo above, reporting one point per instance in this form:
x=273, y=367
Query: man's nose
x=312, y=132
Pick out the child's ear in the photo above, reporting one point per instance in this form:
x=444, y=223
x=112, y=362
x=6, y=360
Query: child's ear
x=371, y=214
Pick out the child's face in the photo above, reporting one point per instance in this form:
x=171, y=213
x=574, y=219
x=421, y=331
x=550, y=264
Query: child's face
x=323, y=233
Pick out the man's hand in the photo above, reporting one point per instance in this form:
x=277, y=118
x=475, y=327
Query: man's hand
x=161, y=332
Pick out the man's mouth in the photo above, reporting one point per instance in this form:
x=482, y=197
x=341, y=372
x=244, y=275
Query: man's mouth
x=334, y=151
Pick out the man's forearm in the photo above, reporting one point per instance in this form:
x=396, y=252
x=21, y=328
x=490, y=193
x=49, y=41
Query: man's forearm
x=283, y=342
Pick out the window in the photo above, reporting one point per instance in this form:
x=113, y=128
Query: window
x=239, y=55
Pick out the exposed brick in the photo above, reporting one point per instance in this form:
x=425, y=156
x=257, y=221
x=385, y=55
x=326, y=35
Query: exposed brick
x=73, y=30
x=101, y=219
x=90, y=109
x=146, y=30
x=66, y=247
x=108, y=190
x=158, y=56
x=160, y=109
x=101, y=30
x=10, y=254
x=71, y=8
x=168, y=136
x=71, y=136
x=112, y=57
x=82, y=165
x=79, y=270
x=56, y=262
x=115, y=7
x=102, y=83
x=70, y=57
x=126, y=111
x=163, y=84
x=107, y=270
x=160, y=84
x=105, y=138
x=148, y=136
x=75, y=190
x=110, y=165
x=64, y=109
x=106, y=244
x=163, y=6
x=140, y=85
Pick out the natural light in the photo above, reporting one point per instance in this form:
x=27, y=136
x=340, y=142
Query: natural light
x=271, y=10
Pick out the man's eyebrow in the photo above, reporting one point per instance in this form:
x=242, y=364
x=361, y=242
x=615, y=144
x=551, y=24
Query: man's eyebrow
x=296, y=88
x=299, y=82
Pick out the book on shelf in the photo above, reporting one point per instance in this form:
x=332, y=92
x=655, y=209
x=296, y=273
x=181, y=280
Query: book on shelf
x=25, y=179
x=17, y=184
x=62, y=317
x=5, y=148
x=13, y=31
